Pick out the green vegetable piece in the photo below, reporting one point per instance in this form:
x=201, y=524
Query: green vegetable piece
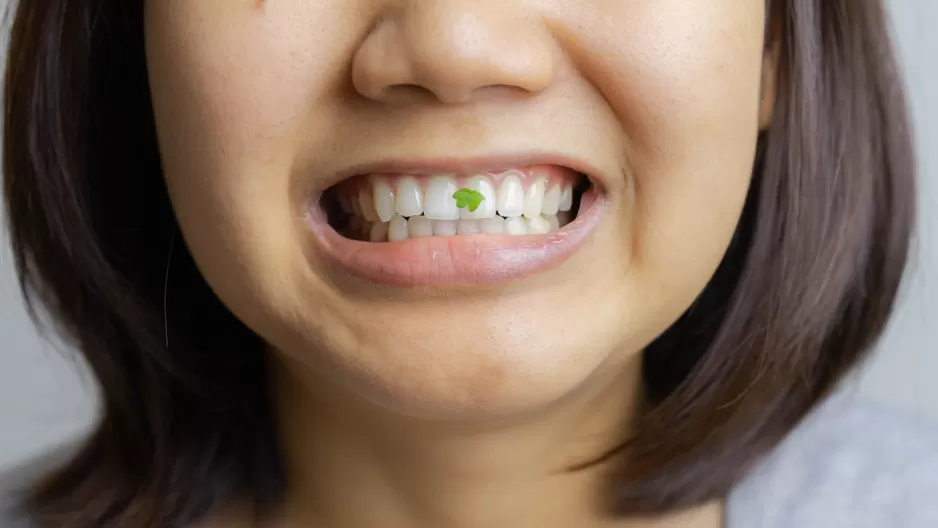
x=468, y=198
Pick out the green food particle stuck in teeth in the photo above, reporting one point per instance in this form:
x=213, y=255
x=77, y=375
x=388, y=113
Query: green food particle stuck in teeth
x=468, y=198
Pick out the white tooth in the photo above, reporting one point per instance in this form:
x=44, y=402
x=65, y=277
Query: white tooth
x=534, y=199
x=516, y=226
x=345, y=204
x=486, y=209
x=379, y=232
x=564, y=218
x=511, y=196
x=551, y=201
x=409, y=198
x=397, y=229
x=444, y=227
x=419, y=226
x=492, y=226
x=566, y=198
x=383, y=198
x=538, y=225
x=367, y=204
x=467, y=226
x=356, y=207
x=554, y=223
x=440, y=204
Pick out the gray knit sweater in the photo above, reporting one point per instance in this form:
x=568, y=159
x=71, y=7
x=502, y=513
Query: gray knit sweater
x=849, y=465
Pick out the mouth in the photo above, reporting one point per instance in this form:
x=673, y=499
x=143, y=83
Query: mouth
x=414, y=228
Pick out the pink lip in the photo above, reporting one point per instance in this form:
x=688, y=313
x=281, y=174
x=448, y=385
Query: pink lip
x=458, y=260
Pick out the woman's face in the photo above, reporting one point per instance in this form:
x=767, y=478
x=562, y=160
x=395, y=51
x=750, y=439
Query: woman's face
x=294, y=133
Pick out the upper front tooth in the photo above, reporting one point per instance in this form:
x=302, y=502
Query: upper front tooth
x=511, y=197
x=439, y=203
x=551, y=201
x=534, y=199
x=486, y=209
x=383, y=198
x=566, y=198
x=409, y=199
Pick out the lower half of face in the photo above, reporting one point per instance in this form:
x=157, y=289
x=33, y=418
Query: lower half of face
x=454, y=207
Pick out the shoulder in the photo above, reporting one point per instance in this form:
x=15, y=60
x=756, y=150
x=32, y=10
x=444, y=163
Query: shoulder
x=849, y=464
x=16, y=482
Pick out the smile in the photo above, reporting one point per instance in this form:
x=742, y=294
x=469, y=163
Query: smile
x=410, y=228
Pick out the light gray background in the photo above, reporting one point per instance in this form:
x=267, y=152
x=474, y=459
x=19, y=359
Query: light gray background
x=45, y=400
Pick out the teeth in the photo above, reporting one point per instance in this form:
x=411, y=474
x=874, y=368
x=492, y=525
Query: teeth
x=516, y=226
x=534, y=200
x=440, y=204
x=511, y=197
x=419, y=226
x=538, y=225
x=554, y=223
x=409, y=198
x=383, y=198
x=397, y=229
x=566, y=198
x=445, y=227
x=492, y=226
x=466, y=226
x=486, y=209
x=379, y=232
x=367, y=203
x=551, y=201
x=380, y=213
x=345, y=204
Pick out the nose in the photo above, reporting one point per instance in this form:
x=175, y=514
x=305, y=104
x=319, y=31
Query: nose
x=453, y=50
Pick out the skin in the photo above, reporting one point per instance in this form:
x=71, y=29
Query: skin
x=432, y=405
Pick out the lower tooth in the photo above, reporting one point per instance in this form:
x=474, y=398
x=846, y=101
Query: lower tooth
x=444, y=227
x=379, y=232
x=538, y=225
x=419, y=226
x=554, y=223
x=400, y=228
x=467, y=227
x=516, y=226
x=492, y=226
x=397, y=229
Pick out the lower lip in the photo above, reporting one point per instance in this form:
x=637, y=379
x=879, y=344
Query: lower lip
x=462, y=259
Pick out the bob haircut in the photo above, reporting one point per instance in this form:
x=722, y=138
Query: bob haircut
x=802, y=294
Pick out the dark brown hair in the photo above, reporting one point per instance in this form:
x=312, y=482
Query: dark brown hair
x=802, y=293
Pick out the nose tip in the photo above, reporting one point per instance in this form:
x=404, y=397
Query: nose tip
x=452, y=51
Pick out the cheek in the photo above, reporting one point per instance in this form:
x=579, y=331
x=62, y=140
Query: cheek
x=229, y=121
x=683, y=78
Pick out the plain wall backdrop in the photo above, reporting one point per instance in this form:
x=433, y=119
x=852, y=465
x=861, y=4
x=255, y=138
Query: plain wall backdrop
x=45, y=400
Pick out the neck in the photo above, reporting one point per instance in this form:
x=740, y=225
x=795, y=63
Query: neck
x=352, y=464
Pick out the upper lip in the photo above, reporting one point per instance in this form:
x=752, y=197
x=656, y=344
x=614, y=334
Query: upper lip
x=468, y=165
